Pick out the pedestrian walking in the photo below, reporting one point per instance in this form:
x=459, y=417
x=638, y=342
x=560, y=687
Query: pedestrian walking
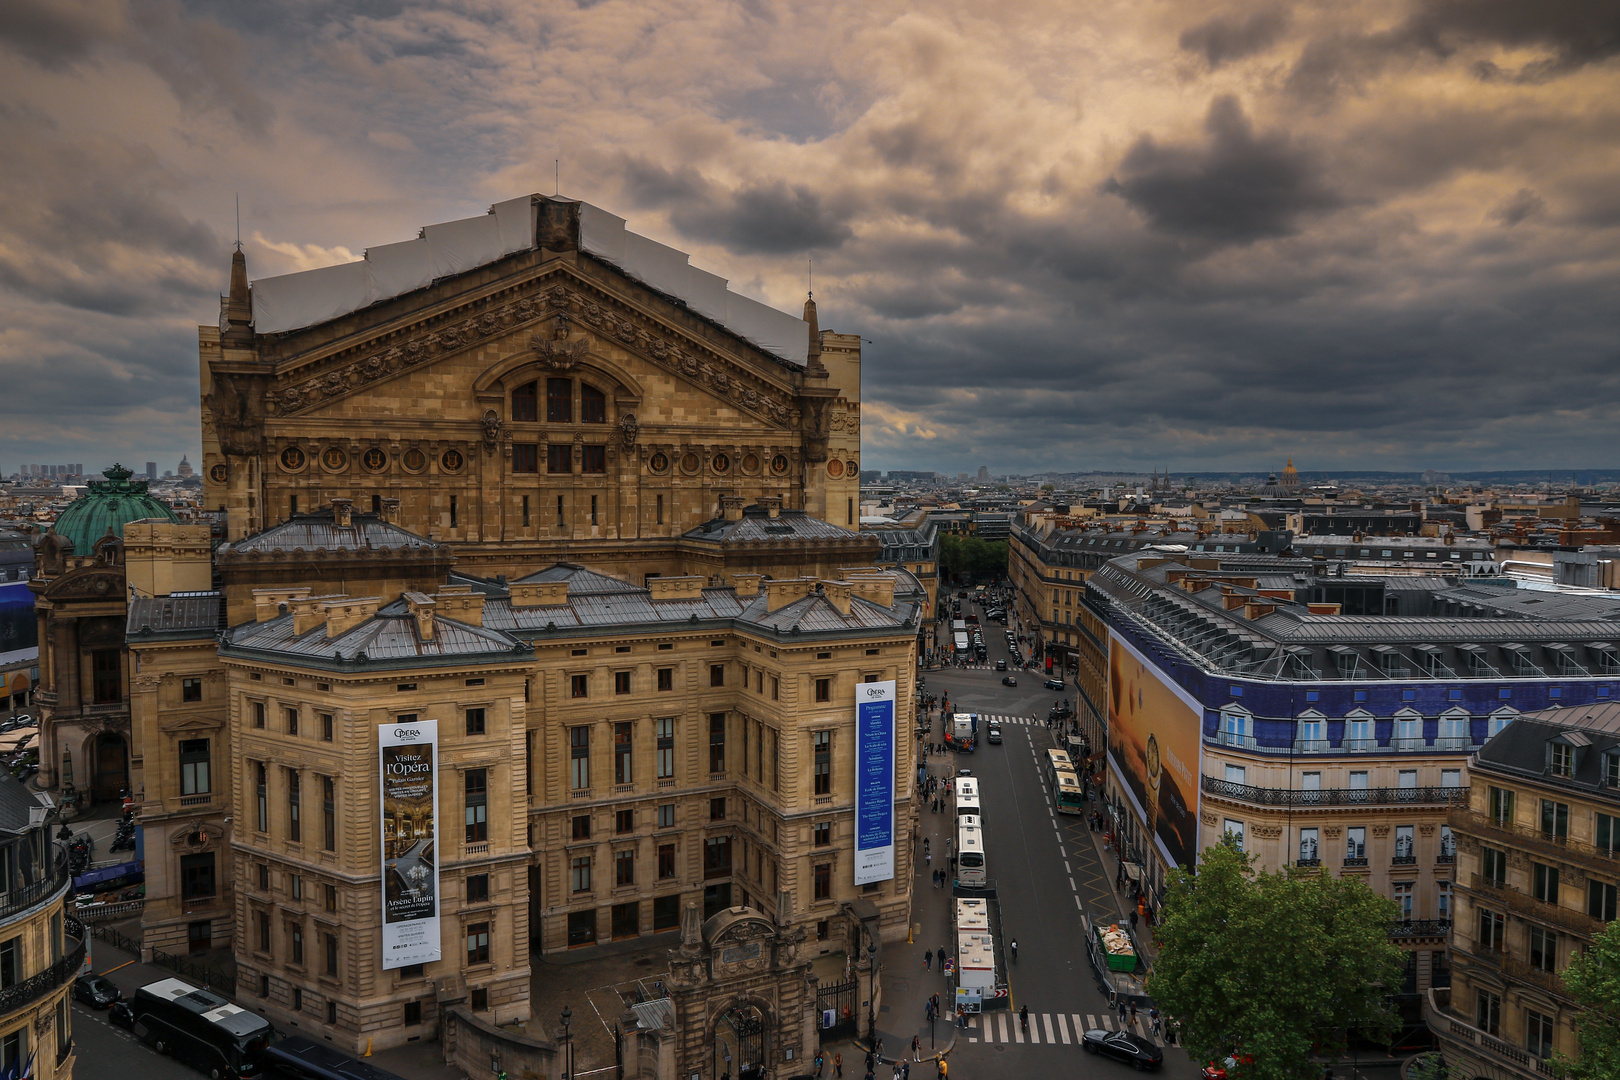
x=928, y=961
x=821, y=1061
x=1122, y=1014
x=838, y=1065
x=941, y=964
x=905, y=1067
x=940, y=1068
x=1133, y=1014
x=916, y=1048
x=1133, y=918
x=928, y=860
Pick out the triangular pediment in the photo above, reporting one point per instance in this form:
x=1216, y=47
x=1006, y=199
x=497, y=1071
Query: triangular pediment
x=191, y=724
x=567, y=315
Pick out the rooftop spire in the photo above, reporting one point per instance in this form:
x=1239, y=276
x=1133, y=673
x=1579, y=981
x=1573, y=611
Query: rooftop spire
x=239, y=305
x=813, y=365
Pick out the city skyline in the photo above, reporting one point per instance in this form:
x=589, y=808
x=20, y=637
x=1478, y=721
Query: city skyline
x=1379, y=235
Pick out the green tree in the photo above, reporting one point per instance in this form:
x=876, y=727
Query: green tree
x=1593, y=979
x=1276, y=967
x=970, y=557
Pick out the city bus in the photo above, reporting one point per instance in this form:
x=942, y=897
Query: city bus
x=970, y=865
x=201, y=1029
x=1058, y=761
x=967, y=797
x=296, y=1056
x=1067, y=793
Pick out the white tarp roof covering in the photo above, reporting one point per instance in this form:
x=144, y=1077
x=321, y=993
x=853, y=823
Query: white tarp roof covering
x=294, y=301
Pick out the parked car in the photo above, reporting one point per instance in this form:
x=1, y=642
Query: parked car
x=121, y=1015
x=1055, y=684
x=1008, y=680
x=1001, y=665
x=993, y=733
x=10, y=725
x=95, y=991
x=1123, y=1046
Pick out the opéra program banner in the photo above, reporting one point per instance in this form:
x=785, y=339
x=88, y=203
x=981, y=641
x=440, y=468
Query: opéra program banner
x=409, y=764
x=874, y=782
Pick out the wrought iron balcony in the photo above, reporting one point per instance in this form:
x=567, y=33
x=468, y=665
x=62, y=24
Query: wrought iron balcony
x=1263, y=796
x=1462, y=819
x=18, y=900
x=37, y=986
x=1493, y=893
x=1410, y=928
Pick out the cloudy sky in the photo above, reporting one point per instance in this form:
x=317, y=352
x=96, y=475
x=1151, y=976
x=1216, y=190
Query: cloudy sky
x=1110, y=234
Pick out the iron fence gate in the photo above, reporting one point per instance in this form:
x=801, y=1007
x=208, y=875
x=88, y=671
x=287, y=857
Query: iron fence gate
x=837, y=1004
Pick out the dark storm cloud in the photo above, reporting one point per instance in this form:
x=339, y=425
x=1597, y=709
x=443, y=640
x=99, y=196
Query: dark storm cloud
x=770, y=218
x=1234, y=187
x=1523, y=205
x=1226, y=38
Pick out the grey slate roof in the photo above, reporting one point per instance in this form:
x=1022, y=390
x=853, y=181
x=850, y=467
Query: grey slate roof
x=187, y=615
x=1521, y=747
x=580, y=579
x=317, y=531
x=19, y=810
x=757, y=526
x=389, y=638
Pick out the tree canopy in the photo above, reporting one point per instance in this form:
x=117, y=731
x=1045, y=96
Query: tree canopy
x=970, y=557
x=1593, y=979
x=1274, y=967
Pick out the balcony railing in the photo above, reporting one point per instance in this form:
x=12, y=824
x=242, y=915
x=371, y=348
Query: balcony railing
x=26, y=897
x=1263, y=796
x=1514, y=968
x=1462, y=819
x=1411, y=928
x=1444, y=1023
x=34, y=987
x=1496, y=893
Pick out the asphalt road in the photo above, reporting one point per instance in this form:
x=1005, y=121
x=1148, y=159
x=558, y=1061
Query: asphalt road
x=106, y=1051
x=1046, y=868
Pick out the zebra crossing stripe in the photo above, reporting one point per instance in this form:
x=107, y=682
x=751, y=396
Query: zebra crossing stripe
x=1002, y=1025
x=1018, y=1033
x=1063, y=1028
x=1078, y=1030
x=1046, y=1019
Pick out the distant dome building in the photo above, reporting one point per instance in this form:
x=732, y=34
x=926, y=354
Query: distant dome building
x=1290, y=477
x=106, y=508
x=1273, y=489
x=184, y=469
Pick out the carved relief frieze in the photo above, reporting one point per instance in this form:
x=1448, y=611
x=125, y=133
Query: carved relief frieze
x=1333, y=832
x=1426, y=830
x=484, y=319
x=1380, y=831
x=1266, y=832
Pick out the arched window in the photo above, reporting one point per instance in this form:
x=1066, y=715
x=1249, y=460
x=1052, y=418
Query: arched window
x=592, y=405
x=526, y=402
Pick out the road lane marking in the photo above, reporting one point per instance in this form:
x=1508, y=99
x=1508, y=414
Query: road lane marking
x=1071, y=886
x=1063, y=1028
x=1046, y=1019
x=1002, y=1025
x=1077, y=904
x=1078, y=1030
x=1066, y=869
x=1018, y=1033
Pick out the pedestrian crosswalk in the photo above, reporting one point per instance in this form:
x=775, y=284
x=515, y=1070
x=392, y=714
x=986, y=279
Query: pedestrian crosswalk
x=1050, y=1028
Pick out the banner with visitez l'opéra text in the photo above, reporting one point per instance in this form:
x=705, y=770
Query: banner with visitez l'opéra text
x=874, y=782
x=408, y=767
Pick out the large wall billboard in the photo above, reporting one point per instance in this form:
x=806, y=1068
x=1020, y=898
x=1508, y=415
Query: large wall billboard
x=874, y=782
x=409, y=765
x=19, y=623
x=1153, y=742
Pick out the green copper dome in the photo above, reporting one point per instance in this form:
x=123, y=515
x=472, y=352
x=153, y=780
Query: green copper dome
x=108, y=506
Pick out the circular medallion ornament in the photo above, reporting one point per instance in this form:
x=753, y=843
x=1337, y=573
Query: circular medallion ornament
x=219, y=473
x=779, y=464
x=721, y=463
x=451, y=461
x=374, y=459
x=334, y=458
x=292, y=459
x=689, y=462
x=851, y=469
x=750, y=464
x=414, y=460
x=658, y=463
x=835, y=468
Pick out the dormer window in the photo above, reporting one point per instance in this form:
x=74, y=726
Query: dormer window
x=1560, y=759
x=1611, y=769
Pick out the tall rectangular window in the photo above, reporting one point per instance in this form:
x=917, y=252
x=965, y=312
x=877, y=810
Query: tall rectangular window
x=194, y=761
x=624, y=868
x=622, y=762
x=823, y=689
x=475, y=721
x=326, y=727
x=666, y=861
x=295, y=938
x=579, y=686
x=1538, y=1030
x=666, y=678
x=1543, y=949
x=559, y=401
x=1405, y=844
x=1561, y=759
x=1355, y=843
x=197, y=876
x=592, y=405
x=660, y=509
x=331, y=953
x=593, y=459
x=1501, y=806
x=621, y=682
x=579, y=874
x=1555, y=819
x=822, y=877
x=476, y=783
x=1308, y=847
x=1544, y=882
x=526, y=458
x=717, y=674
x=295, y=805
x=1492, y=927
x=1488, y=1012
x=666, y=815
x=821, y=744
x=559, y=460
x=258, y=714
x=106, y=676
x=292, y=721
x=579, y=758
x=665, y=731
x=1600, y=900
x=526, y=510
x=262, y=795
x=561, y=522
x=1493, y=865
x=478, y=943
x=328, y=813
x=525, y=403
x=717, y=742
x=452, y=511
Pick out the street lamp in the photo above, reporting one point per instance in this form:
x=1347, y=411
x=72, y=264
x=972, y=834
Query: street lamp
x=871, y=991
x=568, y=1043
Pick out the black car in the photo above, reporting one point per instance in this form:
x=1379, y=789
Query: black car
x=1054, y=684
x=1124, y=1046
x=1008, y=680
x=992, y=734
x=95, y=991
x=121, y=1015
x=1001, y=665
